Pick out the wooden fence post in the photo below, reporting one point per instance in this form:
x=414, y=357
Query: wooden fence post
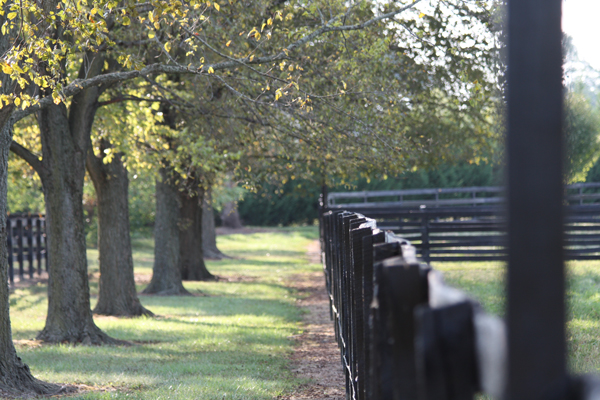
x=30, y=249
x=20, y=247
x=11, y=268
x=38, y=244
x=425, y=238
x=536, y=311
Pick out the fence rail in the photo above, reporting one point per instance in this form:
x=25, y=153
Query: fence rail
x=576, y=194
x=26, y=242
x=467, y=232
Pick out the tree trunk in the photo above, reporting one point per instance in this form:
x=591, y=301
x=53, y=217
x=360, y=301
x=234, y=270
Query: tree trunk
x=230, y=216
x=15, y=377
x=166, y=273
x=209, y=234
x=190, y=236
x=117, y=295
x=69, y=316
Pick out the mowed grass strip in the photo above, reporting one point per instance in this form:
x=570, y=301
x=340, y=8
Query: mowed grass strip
x=485, y=281
x=230, y=341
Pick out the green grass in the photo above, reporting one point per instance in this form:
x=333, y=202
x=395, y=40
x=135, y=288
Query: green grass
x=485, y=282
x=232, y=343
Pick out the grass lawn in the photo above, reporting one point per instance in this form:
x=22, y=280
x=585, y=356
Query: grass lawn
x=230, y=343
x=485, y=282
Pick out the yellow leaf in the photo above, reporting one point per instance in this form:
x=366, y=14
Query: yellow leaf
x=151, y=16
x=278, y=94
x=151, y=34
x=251, y=57
x=94, y=11
x=228, y=43
x=17, y=101
x=270, y=21
x=217, y=6
x=7, y=69
x=344, y=83
x=12, y=15
x=263, y=26
x=168, y=46
x=126, y=20
x=157, y=25
x=211, y=70
x=421, y=15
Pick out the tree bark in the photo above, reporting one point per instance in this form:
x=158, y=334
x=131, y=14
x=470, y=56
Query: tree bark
x=65, y=137
x=117, y=295
x=209, y=233
x=166, y=273
x=230, y=216
x=15, y=377
x=69, y=316
x=190, y=235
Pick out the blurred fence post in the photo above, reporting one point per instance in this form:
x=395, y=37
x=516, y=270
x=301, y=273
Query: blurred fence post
x=536, y=311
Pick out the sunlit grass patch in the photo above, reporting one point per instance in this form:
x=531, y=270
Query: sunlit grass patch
x=485, y=282
x=231, y=340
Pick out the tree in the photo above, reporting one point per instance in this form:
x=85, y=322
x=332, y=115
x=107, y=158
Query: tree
x=188, y=44
x=117, y=294
x=15, y=376
x=166, y=273
x=209, y=234
x=582, y=132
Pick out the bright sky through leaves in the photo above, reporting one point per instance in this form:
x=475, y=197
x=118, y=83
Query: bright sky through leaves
x=580, y=21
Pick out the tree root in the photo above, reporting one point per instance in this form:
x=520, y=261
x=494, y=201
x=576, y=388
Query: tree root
x=135, y=311
x=215, y=255
x=17, y=382
x=170, y=291
x=90, y=335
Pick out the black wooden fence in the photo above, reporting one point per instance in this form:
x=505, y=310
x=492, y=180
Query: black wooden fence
x=26, y=244
x=468, y=224
x=402, y=333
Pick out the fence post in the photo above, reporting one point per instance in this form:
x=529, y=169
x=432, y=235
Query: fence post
x=425, y=238
x=11, y=269
x=38, y=244
x=536, y=311
x=368, y=242
x=30, y=249
x=381, y=363
x=46, y=250
x=20, y=247
x=445, y=352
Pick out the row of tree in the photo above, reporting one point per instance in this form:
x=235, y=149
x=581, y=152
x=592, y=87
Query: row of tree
x=197, y=91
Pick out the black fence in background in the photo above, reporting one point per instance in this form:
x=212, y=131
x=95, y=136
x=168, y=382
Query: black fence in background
x=468, y=224
x=575, y=194
x=402, y=333
x=26, y=242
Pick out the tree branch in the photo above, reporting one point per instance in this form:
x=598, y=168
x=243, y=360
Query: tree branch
x=29, y=157
x=129, y=98
x=107, y=79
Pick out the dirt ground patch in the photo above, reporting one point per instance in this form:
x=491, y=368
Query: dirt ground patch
x=243, y=231
x=316, y=356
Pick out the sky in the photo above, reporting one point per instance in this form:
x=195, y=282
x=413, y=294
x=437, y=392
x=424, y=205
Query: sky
x=581, y=20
